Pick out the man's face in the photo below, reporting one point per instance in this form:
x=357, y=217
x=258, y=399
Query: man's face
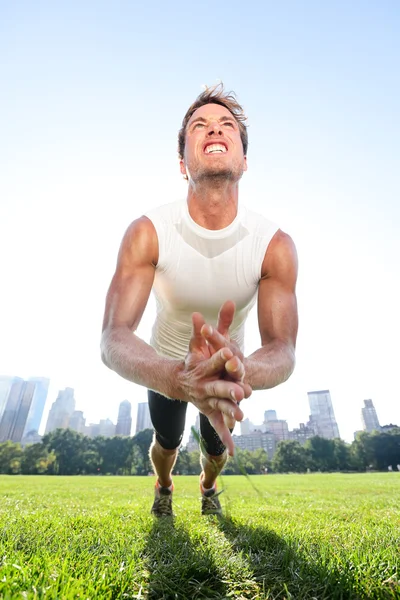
x=213, y=147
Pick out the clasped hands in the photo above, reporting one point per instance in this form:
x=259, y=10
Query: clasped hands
x=214, y=373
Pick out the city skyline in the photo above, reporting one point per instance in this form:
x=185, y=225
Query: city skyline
x=66, y=414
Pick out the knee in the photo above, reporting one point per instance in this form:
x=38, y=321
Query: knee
x=156, y=446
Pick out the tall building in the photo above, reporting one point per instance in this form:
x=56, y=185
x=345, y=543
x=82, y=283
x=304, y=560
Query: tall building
x=270, y=415
x=193, y=444
x=369, y=417
x=256, y=440
x=106, y=428
x=5, y=387
x=143, y=420
x=279, y=428
x=322, y=418
x=302, y=434
x=61, y=410
x=246, y=427
x=77, y=421
x=38, y=402
x=124, y=422
x=16, y=410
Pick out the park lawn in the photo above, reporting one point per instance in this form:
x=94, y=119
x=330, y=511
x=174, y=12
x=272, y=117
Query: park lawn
x=283, y=536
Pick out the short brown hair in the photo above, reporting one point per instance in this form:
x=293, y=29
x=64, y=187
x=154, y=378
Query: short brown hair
x=215, y=95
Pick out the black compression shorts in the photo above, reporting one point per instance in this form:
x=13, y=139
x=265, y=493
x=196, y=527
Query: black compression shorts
x=168, y=418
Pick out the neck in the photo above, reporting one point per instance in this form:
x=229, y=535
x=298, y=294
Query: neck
x=213, y=206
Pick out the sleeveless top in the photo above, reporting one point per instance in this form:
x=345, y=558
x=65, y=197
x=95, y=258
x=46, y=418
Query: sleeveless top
x=199, y=269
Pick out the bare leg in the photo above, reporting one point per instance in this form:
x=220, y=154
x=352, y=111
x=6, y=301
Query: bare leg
x=212, y=466
x=163, y=462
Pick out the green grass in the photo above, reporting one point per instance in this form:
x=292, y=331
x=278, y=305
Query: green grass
x=301, y=537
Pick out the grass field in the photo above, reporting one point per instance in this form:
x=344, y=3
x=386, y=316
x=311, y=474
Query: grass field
x=296, y=536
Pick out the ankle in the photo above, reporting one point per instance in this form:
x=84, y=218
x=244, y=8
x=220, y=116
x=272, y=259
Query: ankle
x=206, y=485
x=165, y=484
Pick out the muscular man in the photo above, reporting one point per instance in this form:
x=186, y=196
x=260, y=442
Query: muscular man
x=207, y=260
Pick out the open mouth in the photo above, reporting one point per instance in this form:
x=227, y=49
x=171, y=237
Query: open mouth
x=215, y=149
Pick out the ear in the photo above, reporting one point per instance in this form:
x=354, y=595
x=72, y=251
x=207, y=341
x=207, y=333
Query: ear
x=245, y=164
x=182, y=167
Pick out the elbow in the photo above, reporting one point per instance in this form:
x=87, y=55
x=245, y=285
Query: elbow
x=291, y=363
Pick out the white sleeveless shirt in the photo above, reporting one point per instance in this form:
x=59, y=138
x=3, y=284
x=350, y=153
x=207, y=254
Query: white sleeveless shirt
x=199, y=269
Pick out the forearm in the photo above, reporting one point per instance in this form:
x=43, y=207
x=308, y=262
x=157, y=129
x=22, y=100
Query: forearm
x=135, y=360
x=269, y=366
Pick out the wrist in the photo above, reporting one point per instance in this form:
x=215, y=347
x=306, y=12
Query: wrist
x=174, y=383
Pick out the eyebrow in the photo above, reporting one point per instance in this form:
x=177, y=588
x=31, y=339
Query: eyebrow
x=221, y=120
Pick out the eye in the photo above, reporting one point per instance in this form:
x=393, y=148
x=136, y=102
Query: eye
x=197, y=125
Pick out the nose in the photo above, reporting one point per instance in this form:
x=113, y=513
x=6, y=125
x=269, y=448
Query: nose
x=214, y=128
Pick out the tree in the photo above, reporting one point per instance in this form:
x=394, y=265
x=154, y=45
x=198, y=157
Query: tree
x=290, y=456
x=10, y=458
x=182, y=465
x=36, y=460
x=322, y=453
x=68, y=447
x=143, y=439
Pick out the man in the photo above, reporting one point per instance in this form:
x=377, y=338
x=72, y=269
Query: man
x=207, y=254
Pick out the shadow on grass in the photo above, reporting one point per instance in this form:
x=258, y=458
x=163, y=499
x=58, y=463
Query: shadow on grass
x=283, y=571
x=177, y=570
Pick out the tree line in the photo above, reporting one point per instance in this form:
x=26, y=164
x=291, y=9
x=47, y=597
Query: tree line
x=66, y=452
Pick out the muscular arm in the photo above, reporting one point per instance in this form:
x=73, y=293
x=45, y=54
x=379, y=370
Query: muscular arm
x=196, y=379
x=121, y=349
x=274, y=362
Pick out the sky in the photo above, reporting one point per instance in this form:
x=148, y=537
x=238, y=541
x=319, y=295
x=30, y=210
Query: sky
x=92, y=98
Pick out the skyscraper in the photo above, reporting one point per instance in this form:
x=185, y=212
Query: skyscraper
x=270, y=415
x=61, y=410
x=143, y=420
x=77, y=422
x=369, y=417
x=322, y=417
x=5, y=387
x=279, y=428
x=37, y=406
x=124, y=422
x=16, y=410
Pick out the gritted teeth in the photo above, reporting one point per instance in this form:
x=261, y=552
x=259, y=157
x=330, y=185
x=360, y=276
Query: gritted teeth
x=211, y=148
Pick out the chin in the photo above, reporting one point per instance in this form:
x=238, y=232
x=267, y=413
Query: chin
x=221, y=174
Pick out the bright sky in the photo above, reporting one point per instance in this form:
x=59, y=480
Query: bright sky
x=92, y=97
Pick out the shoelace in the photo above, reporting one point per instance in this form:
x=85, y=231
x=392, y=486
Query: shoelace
x=164, y=504
x=209, y=501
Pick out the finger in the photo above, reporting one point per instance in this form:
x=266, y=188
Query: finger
x=217, y=421
x=216, y=364
x=229, y=408
x=247, y=390
x=235, y=368
x=197, y=341
x=214, y=338
x=225, y=317
x=226, y=390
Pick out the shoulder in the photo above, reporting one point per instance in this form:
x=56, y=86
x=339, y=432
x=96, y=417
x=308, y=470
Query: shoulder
x=281, y=257
x=165, y=213
x=140, y=239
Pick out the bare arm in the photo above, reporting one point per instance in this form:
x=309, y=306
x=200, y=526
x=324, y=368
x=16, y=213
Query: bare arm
x=274, y=362
x=196, y=379
x=121, y=349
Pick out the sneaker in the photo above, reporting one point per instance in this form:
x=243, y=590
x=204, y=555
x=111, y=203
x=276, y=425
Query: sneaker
x=210, y=504
x=162, y=505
